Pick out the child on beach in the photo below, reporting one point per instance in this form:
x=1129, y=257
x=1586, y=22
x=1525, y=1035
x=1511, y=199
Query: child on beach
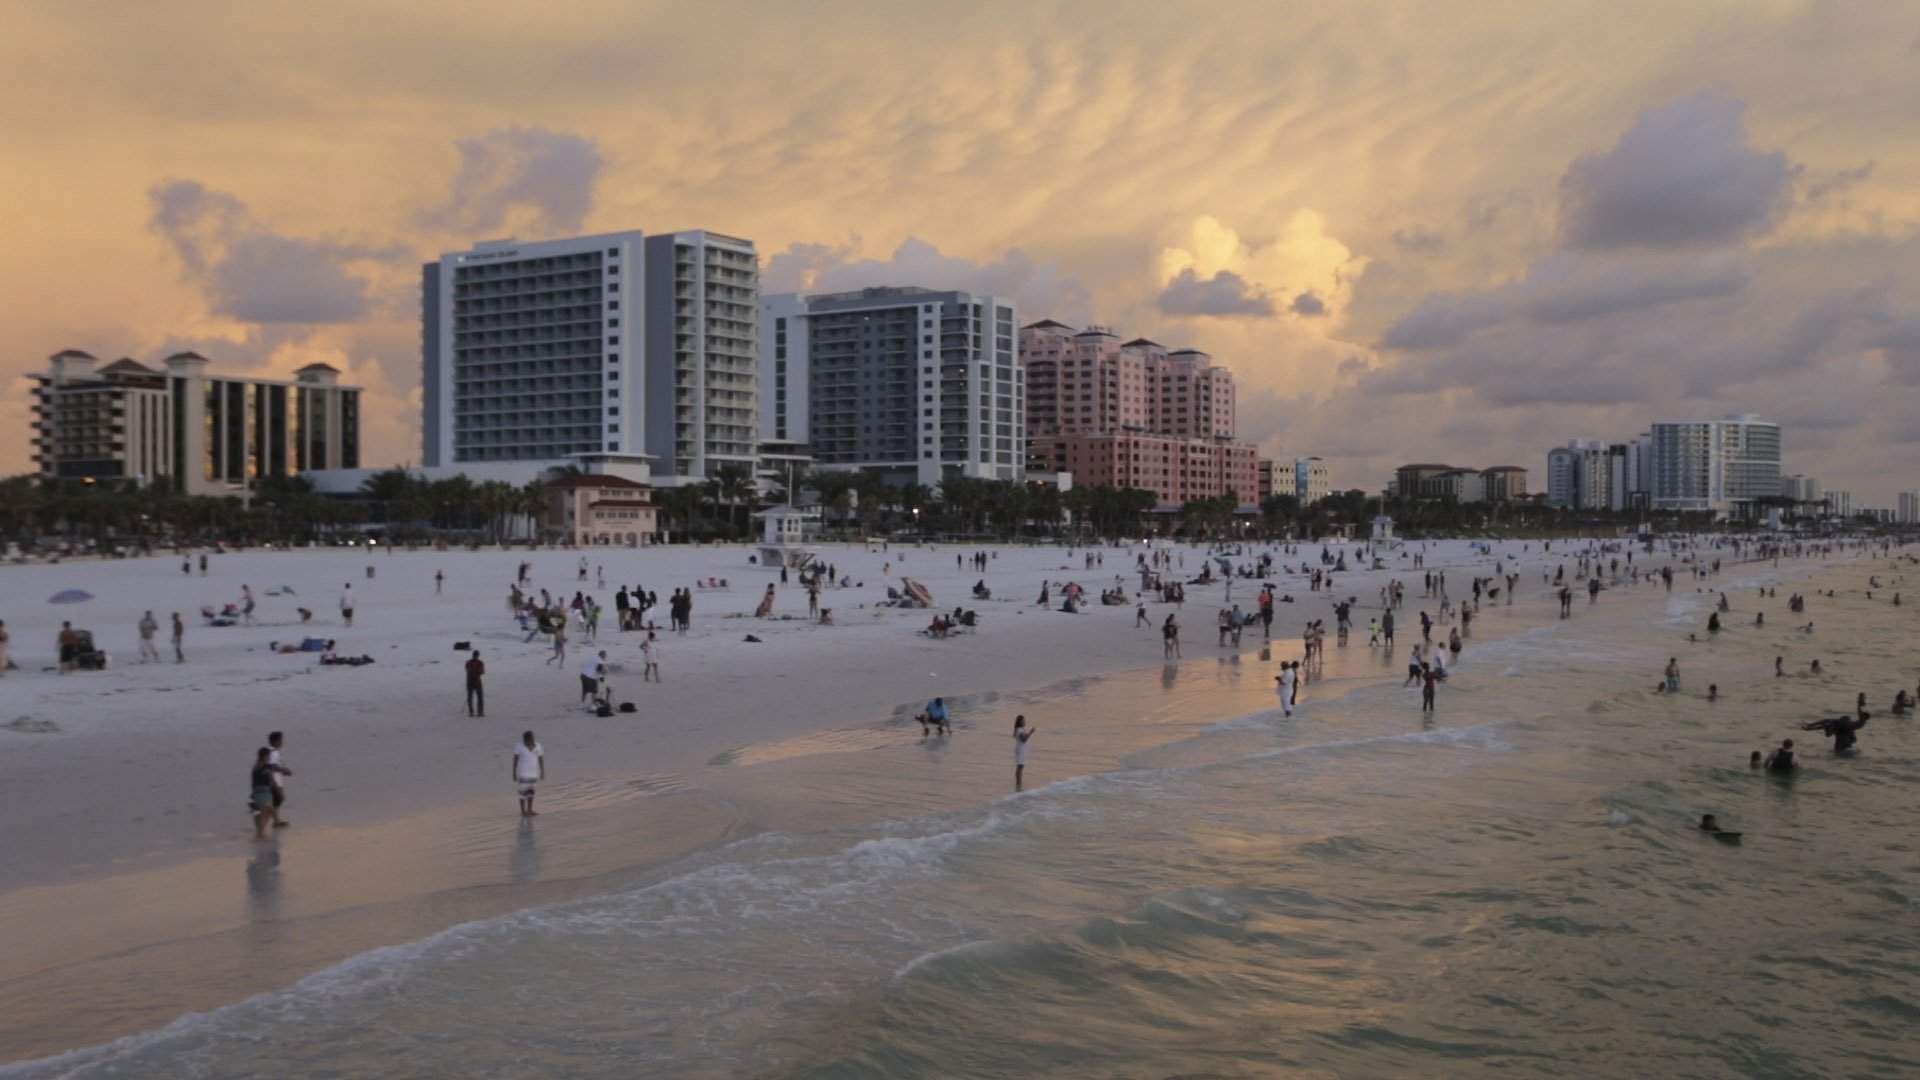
x=650, y=652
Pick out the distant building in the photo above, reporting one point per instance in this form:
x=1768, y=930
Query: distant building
x=599, y=510
x=1310, y=480
x=1459, y=485
x=1302, y=478
x=1839, y=503
x=1505, y=482
x=1410, y=481
x=915, y=384
x=1907, y=508
x=1800, y=488
x=1135, y=414
x=615, y=343
x=1721, y=466
x=185, y=430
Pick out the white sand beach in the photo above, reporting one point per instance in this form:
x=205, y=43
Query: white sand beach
x=125, y=824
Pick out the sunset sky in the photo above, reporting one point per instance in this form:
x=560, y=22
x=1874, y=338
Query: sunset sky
x=1442, y=232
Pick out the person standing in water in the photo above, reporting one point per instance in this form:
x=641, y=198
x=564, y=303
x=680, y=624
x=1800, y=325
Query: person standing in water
x=275, y=744
x=1286, y=680
x=1673, y=675
x=260, y=792
x=1022, y=735
x=529, y=768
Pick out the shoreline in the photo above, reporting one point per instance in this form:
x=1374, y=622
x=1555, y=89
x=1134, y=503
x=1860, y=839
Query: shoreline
x=597, y=823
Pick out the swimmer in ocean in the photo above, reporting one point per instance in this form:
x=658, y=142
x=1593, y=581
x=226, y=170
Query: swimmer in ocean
x=1840, y=729
x=1901, y=702
x=1781, y=760
x=1755, y=760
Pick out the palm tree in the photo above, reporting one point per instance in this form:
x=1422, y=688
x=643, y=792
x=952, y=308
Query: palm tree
x=733, y=487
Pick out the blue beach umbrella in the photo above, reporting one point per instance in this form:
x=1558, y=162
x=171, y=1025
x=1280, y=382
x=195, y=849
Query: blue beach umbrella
x=70, y=596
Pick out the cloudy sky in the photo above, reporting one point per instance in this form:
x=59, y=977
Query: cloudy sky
x=1448, y=231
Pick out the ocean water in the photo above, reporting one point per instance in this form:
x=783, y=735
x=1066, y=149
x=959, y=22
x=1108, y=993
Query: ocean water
x=1512, y=887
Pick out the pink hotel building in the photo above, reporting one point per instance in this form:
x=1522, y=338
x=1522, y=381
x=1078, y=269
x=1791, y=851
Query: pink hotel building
x=1133, y=414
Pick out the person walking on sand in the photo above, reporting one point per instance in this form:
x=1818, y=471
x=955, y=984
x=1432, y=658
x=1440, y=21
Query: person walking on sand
x=246, y=605
x=529, y=768
x=476, y=691
x=559, y=640
x=4, y=639
x=276, y=743
x=260, y=792
x=1170, y=635
x=346, y=603
x=179, y=635
x=148, y=627
x=439, y=579
x=1022, y=735
x=650, y=654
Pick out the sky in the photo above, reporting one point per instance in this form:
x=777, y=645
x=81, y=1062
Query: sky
x=1435, y=232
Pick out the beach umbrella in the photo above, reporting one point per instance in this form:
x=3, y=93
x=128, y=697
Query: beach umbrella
x=69, y=596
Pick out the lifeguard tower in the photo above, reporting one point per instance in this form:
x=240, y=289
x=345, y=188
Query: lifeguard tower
x=784, y=536
x=1383, y=532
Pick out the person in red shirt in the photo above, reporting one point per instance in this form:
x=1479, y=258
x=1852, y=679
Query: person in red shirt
x=476, y=694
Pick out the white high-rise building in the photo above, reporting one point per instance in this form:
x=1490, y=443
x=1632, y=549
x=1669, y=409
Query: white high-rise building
x=1579, y=475
x=1839, y=502
x=1720, y=466
x=1800, y=488
x=615, y=343
x=1629, y=469
x=1907, y=510
x=906, y=381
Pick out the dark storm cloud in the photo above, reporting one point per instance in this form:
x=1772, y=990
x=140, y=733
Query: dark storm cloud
x=517, y=170
x=1682, y=176
x=1225, y=293
x=1308, y=306
x=1572, y=289
x=250, y=272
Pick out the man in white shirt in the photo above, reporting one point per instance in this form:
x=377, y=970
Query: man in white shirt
x=1285, y=679
x=529, y=768
x=592, y=669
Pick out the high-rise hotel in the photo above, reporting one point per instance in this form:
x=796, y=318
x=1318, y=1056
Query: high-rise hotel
x=186, y=430
x=619, y=343
x=911, y=383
